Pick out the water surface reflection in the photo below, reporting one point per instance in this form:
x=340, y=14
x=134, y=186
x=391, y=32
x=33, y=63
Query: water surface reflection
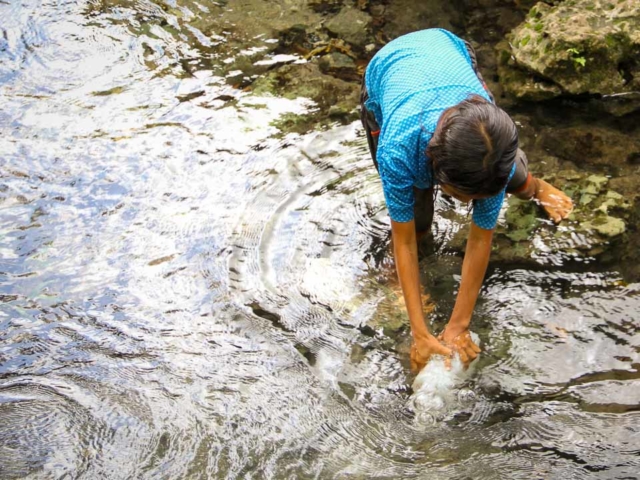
x=185, y=294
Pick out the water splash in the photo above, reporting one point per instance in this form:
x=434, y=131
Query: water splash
x=439, y=391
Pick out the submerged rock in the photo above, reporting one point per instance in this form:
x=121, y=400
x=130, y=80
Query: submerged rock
x=590, y=144
x=324, y=6
x=248, y=21
x=404, y=16
x=600, y=216
x=577, y=47
x=339, y=65
x=334, y=98
x=351, y=25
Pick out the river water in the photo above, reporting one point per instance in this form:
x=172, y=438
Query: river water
x=186, y=293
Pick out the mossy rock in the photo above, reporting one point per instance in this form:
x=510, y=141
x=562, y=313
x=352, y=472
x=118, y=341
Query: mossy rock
x=405, y=16
x=578, y=47
x=597, y=145
x=518, y=82
x=335, y=99
x=600, y=214
x=352, y=26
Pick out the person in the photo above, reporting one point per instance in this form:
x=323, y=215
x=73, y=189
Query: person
x=430, y=120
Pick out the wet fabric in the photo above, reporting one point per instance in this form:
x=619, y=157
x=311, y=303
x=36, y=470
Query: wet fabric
x=409, y=83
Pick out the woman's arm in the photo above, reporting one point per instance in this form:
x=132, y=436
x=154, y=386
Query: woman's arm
x=474, y=267
x=405, y=251
x=557, y=205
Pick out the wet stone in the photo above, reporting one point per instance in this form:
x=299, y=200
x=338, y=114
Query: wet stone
x=405, y=16
x=323, y=6
x=606, y=226
x=580, y=46
x=339, y=65
x=334, y=97
x=587, y=143
x=352, y=26
x=600, y=214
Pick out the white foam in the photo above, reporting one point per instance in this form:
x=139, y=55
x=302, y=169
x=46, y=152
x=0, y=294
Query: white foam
x=438, y=392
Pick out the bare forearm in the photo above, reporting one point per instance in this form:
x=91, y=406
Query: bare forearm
x=474, y=267
x=529, y=190
x=408, y=273
x=406, y=256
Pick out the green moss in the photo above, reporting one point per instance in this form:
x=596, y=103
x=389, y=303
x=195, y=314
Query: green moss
x=606, y=226
x=598, y=180
x=610, y=40
x=293, y=123
x=112, y=91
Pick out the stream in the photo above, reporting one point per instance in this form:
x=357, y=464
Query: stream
x=188, y=292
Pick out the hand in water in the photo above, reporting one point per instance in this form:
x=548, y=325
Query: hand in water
x=557, y=205
x=462, y=344
x=423, y=348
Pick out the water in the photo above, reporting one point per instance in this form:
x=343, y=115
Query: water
x=438, y=389
x=186, y=294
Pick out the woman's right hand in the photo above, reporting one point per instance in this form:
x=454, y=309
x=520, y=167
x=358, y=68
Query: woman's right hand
x=423, y=348
x=462, y=343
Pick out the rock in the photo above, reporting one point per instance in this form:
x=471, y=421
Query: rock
x=352, y=26
x=521, y=218
x=290, y=37
x=606, y=226
x=323, y=6
x=518, y=83
x=339, y=65
x=600, y=214
x=306, y=80
x=333, y=97
x=596, y=145
x=620, y=104
x=579, y=46
x=244, y=36
x=629, y=256
x=627, y=186
x=263, y=18
x=404, y=16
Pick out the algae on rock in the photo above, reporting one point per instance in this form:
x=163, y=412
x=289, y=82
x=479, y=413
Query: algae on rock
x=352, y=26
x=576, y=47
x=405, y=16
x=335, y=99
x=600, y=214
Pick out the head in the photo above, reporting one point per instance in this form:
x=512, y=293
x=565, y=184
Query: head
x=473, y=149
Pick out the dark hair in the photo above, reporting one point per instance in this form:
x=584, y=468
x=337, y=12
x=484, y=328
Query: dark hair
x=474, y=147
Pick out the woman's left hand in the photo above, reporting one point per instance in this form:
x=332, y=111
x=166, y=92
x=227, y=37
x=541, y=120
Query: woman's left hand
x=555, y=203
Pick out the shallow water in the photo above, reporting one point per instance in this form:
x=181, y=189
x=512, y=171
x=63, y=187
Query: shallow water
x=185, y=294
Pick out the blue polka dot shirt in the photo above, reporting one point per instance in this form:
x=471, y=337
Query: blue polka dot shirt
x=410, y=82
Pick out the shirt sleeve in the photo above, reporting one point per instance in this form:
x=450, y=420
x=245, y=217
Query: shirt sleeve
x=397, y=185
x=487, y=210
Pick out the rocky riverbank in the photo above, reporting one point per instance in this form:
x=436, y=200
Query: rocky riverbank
x=567, y=71
x=587, y=140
